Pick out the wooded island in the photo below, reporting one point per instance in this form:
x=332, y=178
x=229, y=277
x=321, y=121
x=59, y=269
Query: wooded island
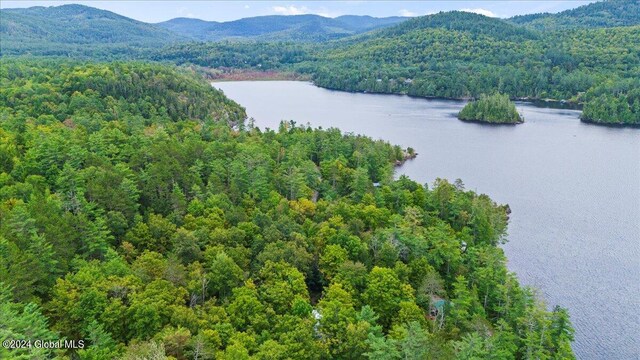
x=492, y=109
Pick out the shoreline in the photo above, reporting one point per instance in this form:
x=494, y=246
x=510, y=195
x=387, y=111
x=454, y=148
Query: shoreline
x=275, y=75
x=254, y=75
x=542, y=103
x=406, y=157
x=483, y=122
x=611, y=125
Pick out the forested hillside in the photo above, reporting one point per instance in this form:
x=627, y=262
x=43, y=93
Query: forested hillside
x=77, y=30
x=457, y=55
x=610, y=13
x=305, y=28
x=569, y=56
x=139, y=213
x=460, y=55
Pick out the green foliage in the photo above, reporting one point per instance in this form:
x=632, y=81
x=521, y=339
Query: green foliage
x=461, y=55
x=456, y=55
x=494, y=109
x=610, y=13
x=224, y=275
x=23, y=322
x=614, y=102
x=67, y=30
x=155, y=233
x=385, y=292
x=237, y=55
x=570, y=56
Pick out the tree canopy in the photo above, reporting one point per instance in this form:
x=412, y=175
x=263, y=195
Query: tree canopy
x=494, y=109
x=574, y=56
x=140, y=214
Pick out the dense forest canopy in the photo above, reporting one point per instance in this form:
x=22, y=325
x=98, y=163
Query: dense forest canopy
x=567, y=56
x=77, y=29
x=600, y=14
x=466, y=55
x=494, y=109
x=140, y=213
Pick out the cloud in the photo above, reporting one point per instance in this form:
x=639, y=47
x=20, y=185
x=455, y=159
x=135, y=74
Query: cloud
x=184, y=12
x=300, y=10
x=407, y=13
x=291, y=10
x=247, y=6
x=481, y=11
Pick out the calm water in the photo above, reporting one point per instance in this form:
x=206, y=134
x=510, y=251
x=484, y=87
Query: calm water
x=574, y=190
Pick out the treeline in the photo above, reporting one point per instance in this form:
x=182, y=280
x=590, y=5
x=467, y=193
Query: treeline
x=86, y=95
x=236, y=55
x=614, y=102
x=451, y=55
x=609, y=13
x=565, y=56
x=155, y=234
x=494, y=109
x=74, y=31
x=453, y=62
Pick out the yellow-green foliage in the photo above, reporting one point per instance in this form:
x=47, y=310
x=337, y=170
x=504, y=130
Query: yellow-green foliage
x=152, y=232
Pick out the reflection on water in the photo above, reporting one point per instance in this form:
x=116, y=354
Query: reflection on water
x=574, y=191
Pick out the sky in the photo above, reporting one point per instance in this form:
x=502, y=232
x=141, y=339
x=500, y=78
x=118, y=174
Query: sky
x=157, y=11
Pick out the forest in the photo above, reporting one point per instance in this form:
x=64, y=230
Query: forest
x=457, y=55
x=141, y=212
x=494, y=109
x=588, y=56
x=475, y=55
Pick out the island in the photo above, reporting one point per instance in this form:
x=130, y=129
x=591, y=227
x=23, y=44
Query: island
x=492, y=109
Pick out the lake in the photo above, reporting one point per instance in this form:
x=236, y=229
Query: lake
x=573, y=188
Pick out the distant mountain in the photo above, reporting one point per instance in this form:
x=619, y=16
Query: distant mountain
x=78, y=24
x=460, y=21
x=605, y=14
x=64, y=30
x=278, y=27
x=188, y=27
x=365, y=23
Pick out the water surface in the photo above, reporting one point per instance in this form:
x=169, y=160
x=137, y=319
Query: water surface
x=573, y=188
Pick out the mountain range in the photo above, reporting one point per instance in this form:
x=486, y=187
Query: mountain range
x=69, y=29
x=278, y=27
x=78, y=24
x=67, y=25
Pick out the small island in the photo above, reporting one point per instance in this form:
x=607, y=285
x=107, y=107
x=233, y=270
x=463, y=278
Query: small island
x=493, y=109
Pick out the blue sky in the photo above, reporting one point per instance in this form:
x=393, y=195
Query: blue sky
x=156, y=11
